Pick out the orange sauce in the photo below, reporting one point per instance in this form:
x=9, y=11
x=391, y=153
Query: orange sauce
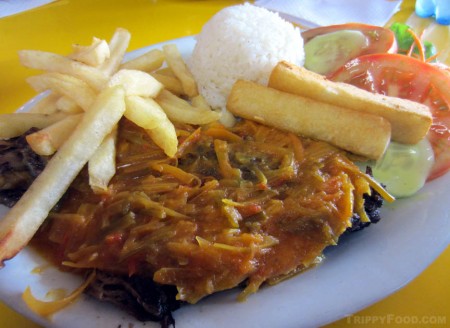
x=247, y=204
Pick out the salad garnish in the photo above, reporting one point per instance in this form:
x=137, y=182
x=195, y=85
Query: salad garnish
x=410, y=44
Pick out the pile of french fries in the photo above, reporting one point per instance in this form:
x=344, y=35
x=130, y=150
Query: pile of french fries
x=88, y=92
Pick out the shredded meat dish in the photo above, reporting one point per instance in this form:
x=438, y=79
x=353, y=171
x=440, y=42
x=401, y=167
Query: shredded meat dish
x=235, y=207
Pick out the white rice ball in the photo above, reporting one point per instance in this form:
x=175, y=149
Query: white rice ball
x=241, y=42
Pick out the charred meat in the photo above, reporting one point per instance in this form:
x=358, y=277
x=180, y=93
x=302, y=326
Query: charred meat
x=19, y=166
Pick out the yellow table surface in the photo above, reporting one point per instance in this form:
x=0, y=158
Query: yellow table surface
x=56, y=26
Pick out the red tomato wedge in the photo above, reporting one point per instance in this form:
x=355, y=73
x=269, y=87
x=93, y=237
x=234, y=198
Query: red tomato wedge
x=328, y=48
x=406, y=77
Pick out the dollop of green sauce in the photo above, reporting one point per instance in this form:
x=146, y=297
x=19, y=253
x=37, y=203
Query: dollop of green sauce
x=404, y=168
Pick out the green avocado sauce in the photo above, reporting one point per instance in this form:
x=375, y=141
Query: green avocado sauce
x=404, y=168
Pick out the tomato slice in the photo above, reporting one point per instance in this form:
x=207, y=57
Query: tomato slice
x=406, y=77
x=328, y=48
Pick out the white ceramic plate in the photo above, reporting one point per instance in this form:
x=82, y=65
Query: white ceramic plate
x=365, y=267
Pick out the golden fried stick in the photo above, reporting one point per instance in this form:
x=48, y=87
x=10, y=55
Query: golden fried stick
x=410, y=121
x=360, y=133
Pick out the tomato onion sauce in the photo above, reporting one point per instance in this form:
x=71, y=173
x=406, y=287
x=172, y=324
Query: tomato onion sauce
x=250, y=204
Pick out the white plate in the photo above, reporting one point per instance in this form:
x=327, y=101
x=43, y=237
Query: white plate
x=365, y=267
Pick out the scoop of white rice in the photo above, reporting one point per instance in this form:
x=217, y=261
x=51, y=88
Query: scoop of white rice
x=241, y=42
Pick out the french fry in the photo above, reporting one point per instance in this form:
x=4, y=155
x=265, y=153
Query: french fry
x=146, y=113
x=147, y=62
x=45, y=105
x=51, y=62
x=92, y=55
x=171, y=83
x=136, y=83
x=200, y=103
x=167, y=71
x=118, y=46
x=102, y=165
x=360, y=133
x=47, y=141
x=66, y=85
x=165, y=136
x=179, y=110
x=410, y=121
x=14, y=125
x=23, y=220
x=179, y=68
x=67, y=105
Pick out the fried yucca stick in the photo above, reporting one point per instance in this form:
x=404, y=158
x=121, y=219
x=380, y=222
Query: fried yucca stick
x=360, y=133
x=410, y=121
